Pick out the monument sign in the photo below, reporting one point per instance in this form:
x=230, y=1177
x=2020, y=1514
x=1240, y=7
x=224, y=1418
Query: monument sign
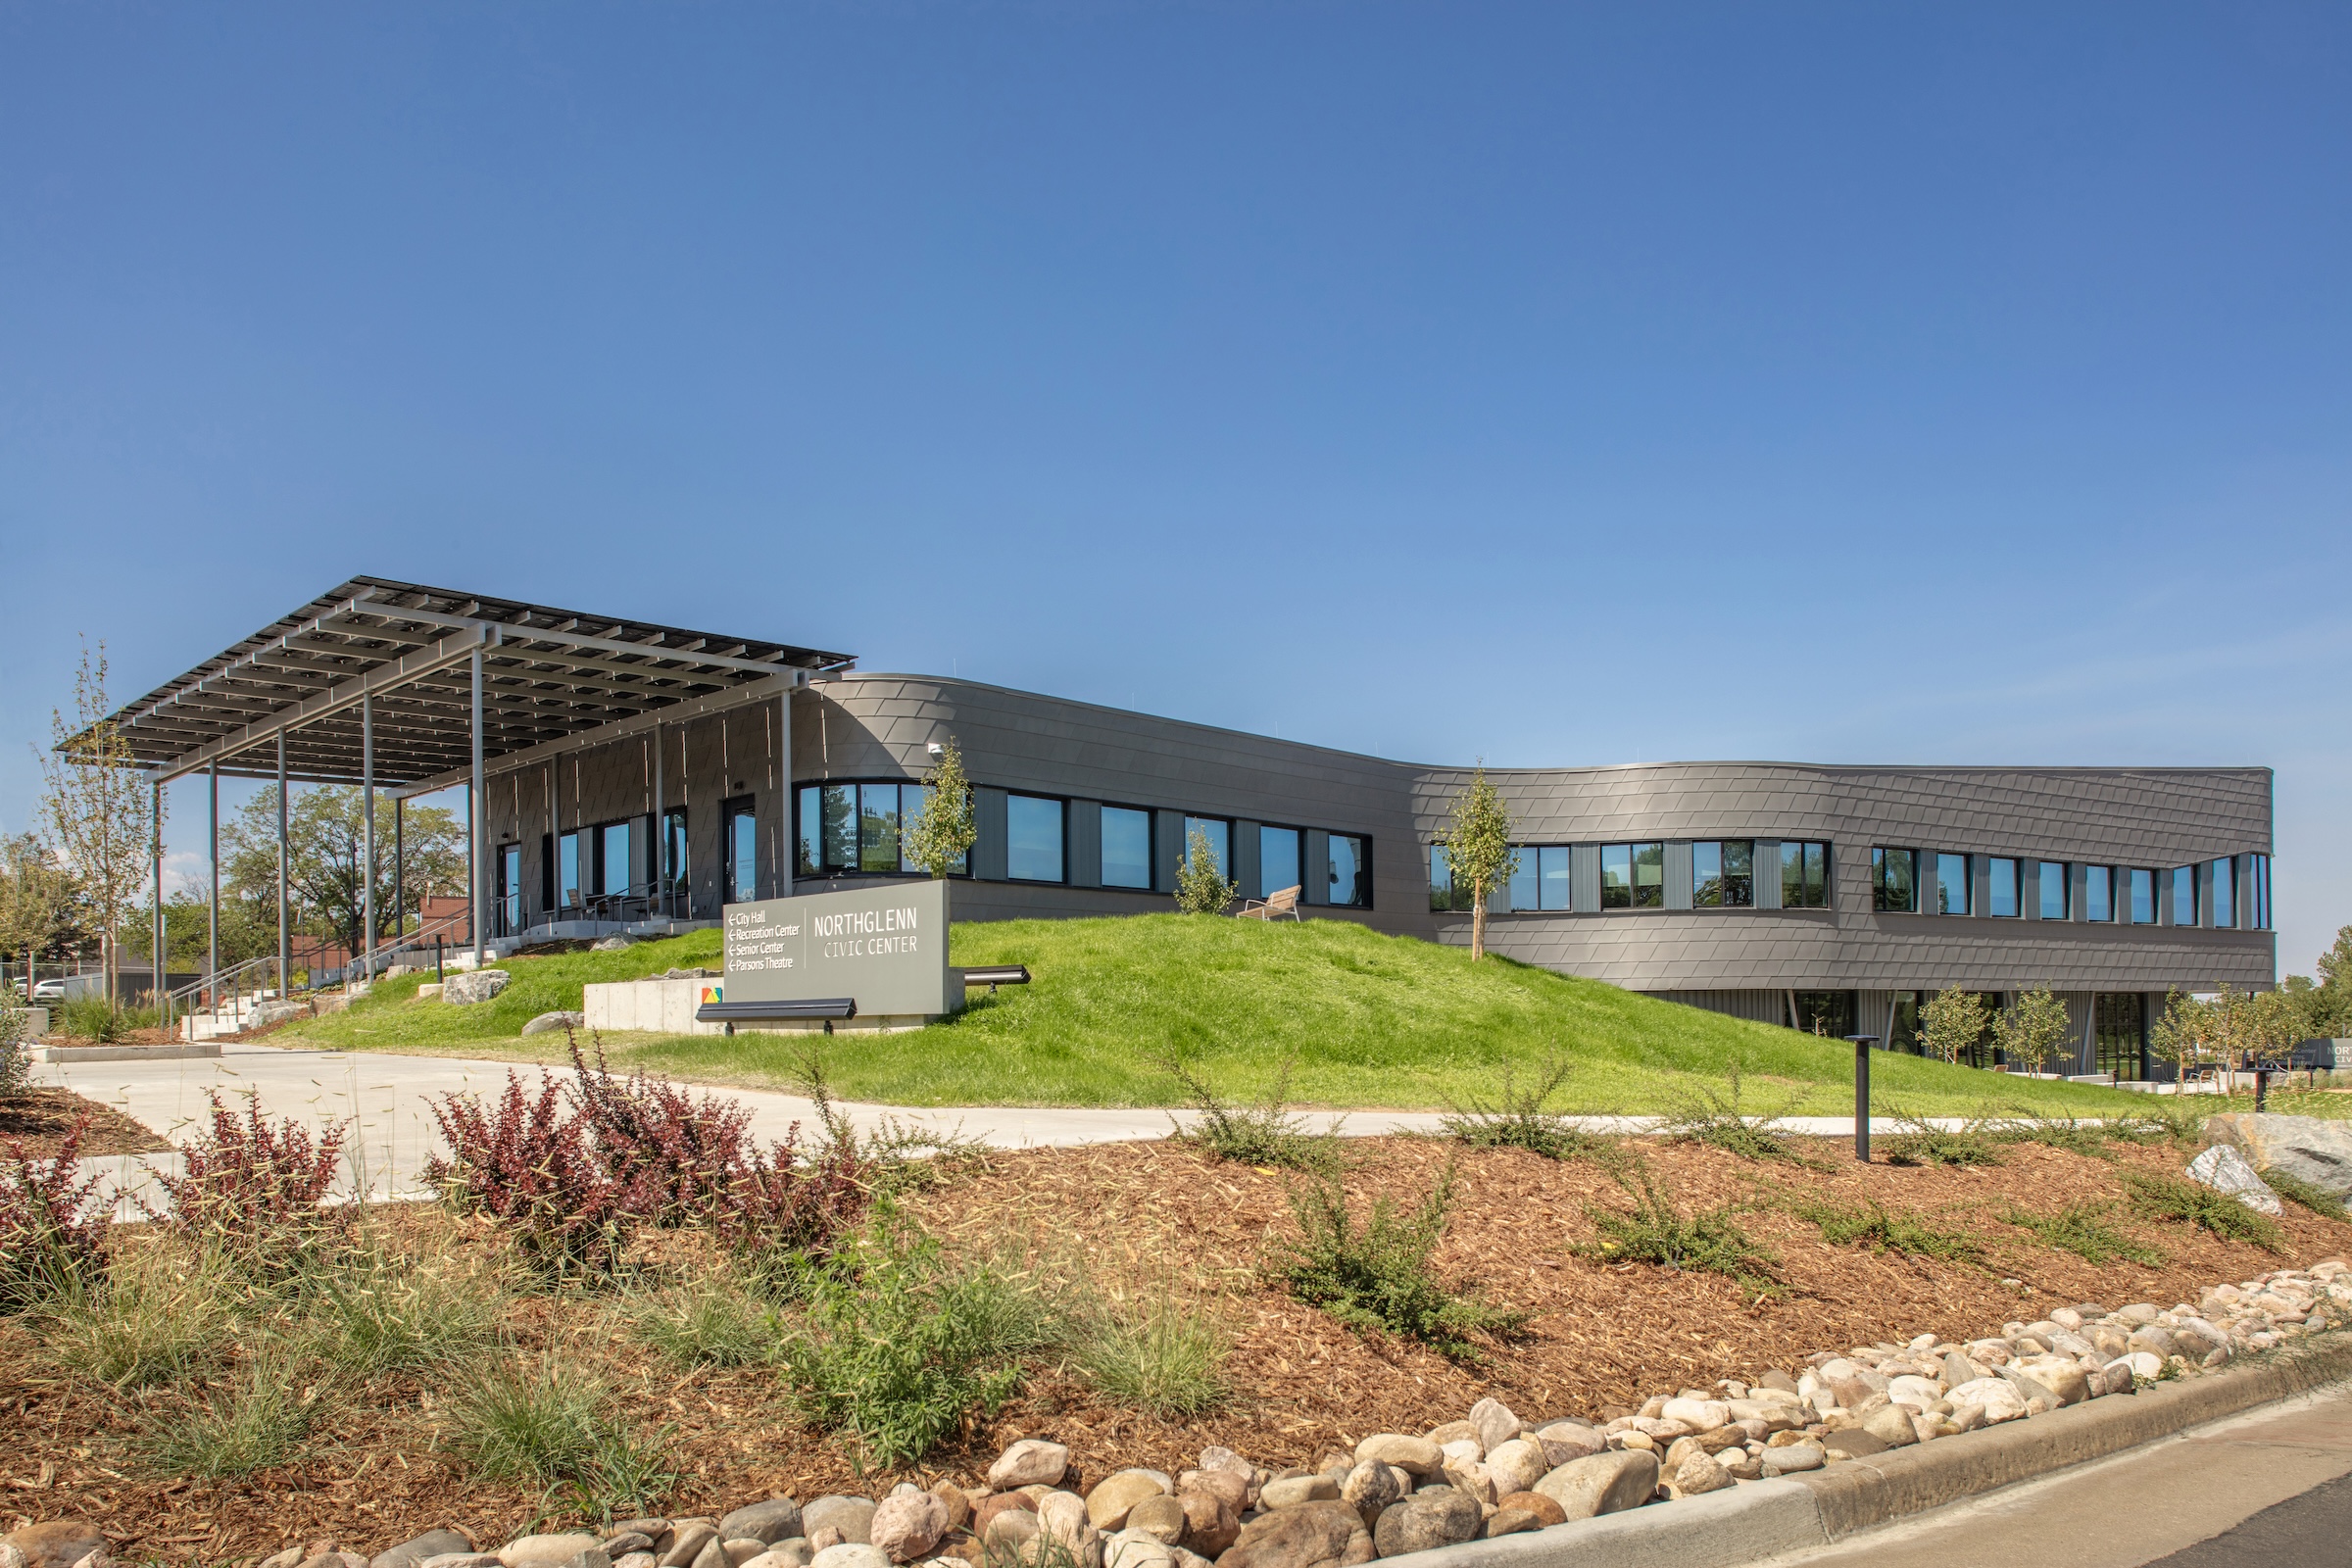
x=884, y=947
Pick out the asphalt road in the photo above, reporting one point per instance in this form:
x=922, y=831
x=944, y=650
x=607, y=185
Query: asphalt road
x=2271, y=1486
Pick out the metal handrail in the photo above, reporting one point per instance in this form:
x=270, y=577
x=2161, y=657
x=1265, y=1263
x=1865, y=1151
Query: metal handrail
x=408, y=939
x=234, y=978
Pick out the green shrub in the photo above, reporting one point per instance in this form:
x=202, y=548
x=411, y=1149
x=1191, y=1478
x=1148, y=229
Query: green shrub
x=551, y=1424
x=2170, y=1198
x=370, y=1313
x=1377, y=1276
x=2082, y=1229
x=255, y=1421
x=2063, y=1133
x=1922, y=1143
x=55, y=1224
x=2166, y=1119
x=1517, y=1119
x=1884, y=1230
x=1263, y=1133
x=897, y=1349
x=1656, y=1231
x=1701, y=1114
x=1162, y=1354
x=158, y=1316
x=102, y=1019
x=708, y=1323
x=2310, y=1195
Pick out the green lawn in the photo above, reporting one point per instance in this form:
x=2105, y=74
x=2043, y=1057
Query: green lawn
x=1371, y=1021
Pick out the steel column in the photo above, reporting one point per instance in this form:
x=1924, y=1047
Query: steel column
x=285, y=932
x=367, y=830
x=660, y=827
x=212, y=977
x=159, y=966
x=400, y=867
x=788, y=850
x=473, y=817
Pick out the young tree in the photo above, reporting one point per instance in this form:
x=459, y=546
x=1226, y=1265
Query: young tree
x=1201, y=886
x=40, y=907
x=97, y=804
x=942, y=832
x=2180, y=1035
x=2033, y=1029
x=1478, y=851
x=1951, y=1023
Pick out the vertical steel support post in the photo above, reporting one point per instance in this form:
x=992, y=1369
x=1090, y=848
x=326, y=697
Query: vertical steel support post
x=286, y=930
x=473, y=818
x=159, y=966
x=788, y=851
x=400, y=867
x=367, y=830
x=212, y=977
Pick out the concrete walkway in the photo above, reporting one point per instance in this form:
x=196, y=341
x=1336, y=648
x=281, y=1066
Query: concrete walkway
x=386, y=1097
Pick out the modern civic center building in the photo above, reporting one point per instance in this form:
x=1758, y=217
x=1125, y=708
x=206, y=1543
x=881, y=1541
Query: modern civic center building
x=626, y=775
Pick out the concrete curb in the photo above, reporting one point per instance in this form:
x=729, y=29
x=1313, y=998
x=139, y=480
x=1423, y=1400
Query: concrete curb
x=130, y=1052
x=1763, y=1519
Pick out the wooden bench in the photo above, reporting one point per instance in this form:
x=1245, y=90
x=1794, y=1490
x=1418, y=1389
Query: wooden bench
x=1274, y=907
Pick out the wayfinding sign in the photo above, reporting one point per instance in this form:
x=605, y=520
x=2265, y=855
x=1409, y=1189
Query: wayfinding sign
x=885, y=946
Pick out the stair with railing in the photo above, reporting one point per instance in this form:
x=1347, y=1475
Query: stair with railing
x=222, y=1003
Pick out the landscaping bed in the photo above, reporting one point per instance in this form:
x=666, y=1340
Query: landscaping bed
x=675, y=1367
x=38, y=1120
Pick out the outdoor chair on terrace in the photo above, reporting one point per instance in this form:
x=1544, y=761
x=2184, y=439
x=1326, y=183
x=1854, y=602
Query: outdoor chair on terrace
x=1274, y=907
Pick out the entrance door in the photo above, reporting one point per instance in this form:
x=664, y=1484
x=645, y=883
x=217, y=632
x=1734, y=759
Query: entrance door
x=509, y=889
x=742, y=850
x=2120, y=1033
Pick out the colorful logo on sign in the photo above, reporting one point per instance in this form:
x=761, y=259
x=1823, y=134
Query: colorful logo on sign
x=714, y=992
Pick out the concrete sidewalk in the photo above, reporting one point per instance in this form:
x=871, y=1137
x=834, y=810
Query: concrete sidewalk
x=386, y=1097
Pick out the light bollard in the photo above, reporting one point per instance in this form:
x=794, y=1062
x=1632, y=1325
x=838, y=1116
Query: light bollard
x=1862, y=1045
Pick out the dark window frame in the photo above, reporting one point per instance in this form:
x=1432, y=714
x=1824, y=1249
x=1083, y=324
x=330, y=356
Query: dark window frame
x=732, y=810
x=1364, y=870
x=1829, y=873
x=2017, y=887
x=1724, y=899
x=1265, y=892
x=825, y=870
x=1150, y=847
x=1633, y=885
x=1879, y=862
x=1967, y=889
x=1063, y=803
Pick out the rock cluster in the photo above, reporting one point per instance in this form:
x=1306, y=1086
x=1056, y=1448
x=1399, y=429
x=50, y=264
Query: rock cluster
x=474, y=985
x=1486, y=1475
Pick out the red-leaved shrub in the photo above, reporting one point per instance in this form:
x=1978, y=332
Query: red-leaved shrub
x=53, y=1228
x=780, y=1205
x=680, y=1153
x=256, y=1189
x=531, y=1166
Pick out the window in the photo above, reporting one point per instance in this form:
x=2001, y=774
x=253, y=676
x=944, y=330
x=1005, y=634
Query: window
x=1805, y=875
x=1893, y=880
x=1278, y=861
x=1723, y=873
x=2261, y=879
x=613, y=859
x=673, y=848
x=1350, y=885
x=1826, y=1012
x=2184, y=894
x=1220, y=841
x=2000, y=889
x=2144, y=896
x=2224, y=894
x=2098, y=893
x=1443, y=896
x=2055, y=889
x=568, y=871
x=878, y=828
x=1902, y=1023
x=2117, y=1031
x=1951, y=884
x=741, y=849
x=1551, y=873
x=1632, y=876
x=1526, y=875
x=1032, y=838
x=1126, y=848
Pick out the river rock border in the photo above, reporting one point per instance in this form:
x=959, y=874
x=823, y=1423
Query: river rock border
x=1486, y=1476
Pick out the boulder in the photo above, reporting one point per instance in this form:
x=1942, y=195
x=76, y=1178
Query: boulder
x=1517, y=1464
x=687, y=1539
x=853, y=1517
x=1029, y=1462
x=1856, y=1443
x=1236, y=1487
x=412, y=1553
x=1794, y=1459
x=1603, y=1483
x=1107, y=1506
x=1162, y=1518
x=2224, y=1169
x=1288, y=1490
x=547, y=1552
x=907, y=1525
x=471, y=986
x=1994, y=1397
x=1136, y=1549
x=547, y=1023
x=1699, y=1415
x=1565, y=1441
x=1892, y=1427
x=1547, y=1512
x=1369, y=1488
x=1210, y=1524
x=776, y=1519
x=850, y=1554
x=617, y=942
x=2144, y=1364
x=2061, y=1375
x=1494, y=1424
x=1415, y=1456
x=2312, y=1147
x=1010, y=1530
x=1699, y=1473
x=269, y=1013
x=1062, y=1515
x=1312, y=1535
x=1425, y=1521
x=55, y=1542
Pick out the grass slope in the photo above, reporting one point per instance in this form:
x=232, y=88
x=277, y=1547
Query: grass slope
x=1371, y=1021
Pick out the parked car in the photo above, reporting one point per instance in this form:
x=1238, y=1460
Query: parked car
x=49, y=991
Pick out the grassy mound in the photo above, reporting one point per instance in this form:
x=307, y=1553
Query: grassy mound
x=1369, y=1019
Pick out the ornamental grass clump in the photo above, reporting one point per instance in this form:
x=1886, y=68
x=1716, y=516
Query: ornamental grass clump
x=53, y=1224
x=1902, y=1232
x=2187, y=1203
x=1657, y=1231
x=1922, y=1143
x=2085, y=1229
x=553, y=1423
x=1266, y=1134
x=1521, y=1118
x=1703, y=1115
x=1377, y=1277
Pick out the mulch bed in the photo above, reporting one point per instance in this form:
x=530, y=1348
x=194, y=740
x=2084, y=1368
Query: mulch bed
x=1602, y=1338
x=38, y=1119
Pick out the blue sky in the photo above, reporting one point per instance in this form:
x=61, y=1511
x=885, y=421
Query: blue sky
x=1552, y=385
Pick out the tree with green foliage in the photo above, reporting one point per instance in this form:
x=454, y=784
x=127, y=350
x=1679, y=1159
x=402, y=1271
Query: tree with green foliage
x=1201, y=886
x=941, y=834
x=326, y=859
x=98, y=804
x=2032, y=1029
x=1478, y=850
x=41, y=906
x=1952, y=1023
x=2323, y=1012
x=2179, y=1034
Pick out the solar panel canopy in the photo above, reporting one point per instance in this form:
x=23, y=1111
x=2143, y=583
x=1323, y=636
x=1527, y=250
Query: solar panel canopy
x=405, y=652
